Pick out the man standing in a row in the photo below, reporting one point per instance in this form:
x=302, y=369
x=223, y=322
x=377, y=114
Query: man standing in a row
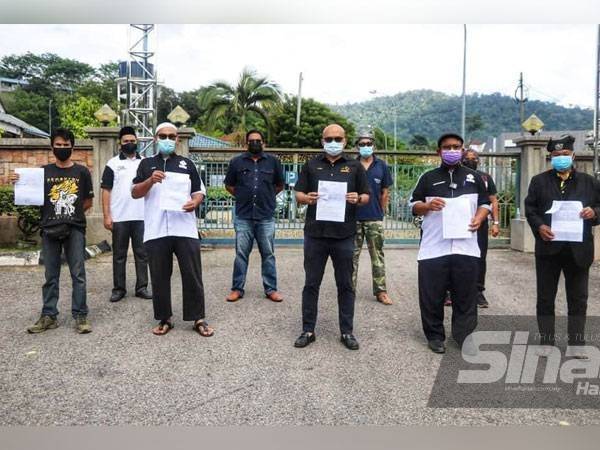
x=124, y=216
x=448, y=263
x=327, y=238
x=554, y=254
x=369, y=217
x=254, y=178
x=172, y=232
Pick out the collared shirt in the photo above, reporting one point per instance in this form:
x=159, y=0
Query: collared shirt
x=117, y=178
x=445, y=182
x=380, y=178
x=488, y=181
x=160, y=223
x=255, y=183
x=344, y=170
x=564, y=183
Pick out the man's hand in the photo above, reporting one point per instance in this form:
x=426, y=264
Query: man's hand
x=193, y=203
x=352, y=198
x=157, y=176
x=435, y=204
x=587, y=213
x=475, y=224
x=546, y=233
x=495, y=230
x=311, y=198
x=14, y=177
x=108, y=223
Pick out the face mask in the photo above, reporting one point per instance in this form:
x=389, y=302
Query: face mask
x=365, y=152
x=451, y=157
x=562, y=162
x=333, y=148
x=470, y=163
x=129, y=148
x=166, y=146
x=255, y=147
x=62, y=154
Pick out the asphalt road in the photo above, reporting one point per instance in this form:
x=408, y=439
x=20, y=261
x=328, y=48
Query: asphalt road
x=249, y=373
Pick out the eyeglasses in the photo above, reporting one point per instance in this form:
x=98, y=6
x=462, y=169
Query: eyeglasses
x=162, y=137
x=255, y=141
x=331, y=139
x=365, y=144
x=452, y=147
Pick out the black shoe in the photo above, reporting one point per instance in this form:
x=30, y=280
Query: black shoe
x=304, y=339
x=143, y=293
x=437, y=346
x=117, y=296
x=349, y=341
x=481, y=301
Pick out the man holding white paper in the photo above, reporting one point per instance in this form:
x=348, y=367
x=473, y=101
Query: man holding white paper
x=453, y=202
x=332, y=186
x=29, y=189
x=172, y=191
x=561, y=206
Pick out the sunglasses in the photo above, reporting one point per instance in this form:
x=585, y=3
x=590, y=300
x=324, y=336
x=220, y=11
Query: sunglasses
x=331, y=139
x=162, y=137
x=365, y=144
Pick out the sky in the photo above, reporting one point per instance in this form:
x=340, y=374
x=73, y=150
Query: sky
x=345, y=63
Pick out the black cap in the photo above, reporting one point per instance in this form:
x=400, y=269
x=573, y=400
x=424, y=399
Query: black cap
x=565, y=142
x=126, y=130
x=449, y=135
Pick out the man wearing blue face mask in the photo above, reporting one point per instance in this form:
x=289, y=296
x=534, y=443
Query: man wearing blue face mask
x=369, y=217
x=170, y=232
x=553, y=256
x=334, y=238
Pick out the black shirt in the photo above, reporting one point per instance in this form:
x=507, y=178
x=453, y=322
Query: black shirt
x=174, y=163
x=342, y=169
x=488, y=181
x=64, y=193
x=254, y=183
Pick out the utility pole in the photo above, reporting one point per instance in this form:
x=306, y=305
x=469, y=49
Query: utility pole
x=50, y=116
x=597, y=111
x=299, y=103
x=521, y=101
x=464, y=84
x=395, y=137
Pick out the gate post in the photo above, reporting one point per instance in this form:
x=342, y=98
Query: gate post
x=533, y=161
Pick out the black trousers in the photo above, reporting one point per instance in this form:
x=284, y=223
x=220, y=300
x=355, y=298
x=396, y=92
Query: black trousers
x=160, y=255
x=122, y=233
x=458, y=274
x=548, y=269
x=482, y=240
x=316, y=253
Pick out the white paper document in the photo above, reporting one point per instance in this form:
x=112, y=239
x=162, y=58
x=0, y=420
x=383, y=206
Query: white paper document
x=29, y=190
x=331, y=204
x=175, y=191
x=567, y=225
x=456, y=217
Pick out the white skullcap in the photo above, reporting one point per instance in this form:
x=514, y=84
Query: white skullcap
x=165, y=125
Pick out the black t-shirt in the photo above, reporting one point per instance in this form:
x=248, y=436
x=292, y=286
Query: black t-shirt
x=343, y=169
x=64, y=193
x=490, y=186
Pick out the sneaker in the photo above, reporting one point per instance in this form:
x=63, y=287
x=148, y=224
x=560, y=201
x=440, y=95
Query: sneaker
x=44, y=323
x=83, y=325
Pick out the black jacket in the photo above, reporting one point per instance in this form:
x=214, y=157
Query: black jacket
x=543, y=189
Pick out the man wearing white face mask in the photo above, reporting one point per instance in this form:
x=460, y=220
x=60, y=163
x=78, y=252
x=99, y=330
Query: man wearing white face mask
x=168, y=232
x=329, y=238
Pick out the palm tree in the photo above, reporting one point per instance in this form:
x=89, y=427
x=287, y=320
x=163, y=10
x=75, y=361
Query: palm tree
x=253, y=97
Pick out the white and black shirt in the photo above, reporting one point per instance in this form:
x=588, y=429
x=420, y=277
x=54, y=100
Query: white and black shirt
x=445, y=182
x=160, y=223
x=117, y=177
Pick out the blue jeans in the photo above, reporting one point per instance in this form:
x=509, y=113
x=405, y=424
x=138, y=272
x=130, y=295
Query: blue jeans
x=74, y=247
x=246, y=231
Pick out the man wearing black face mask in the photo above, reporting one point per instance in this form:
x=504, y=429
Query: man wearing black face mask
x=124, y=216
x=254, y=178
x=68, y=194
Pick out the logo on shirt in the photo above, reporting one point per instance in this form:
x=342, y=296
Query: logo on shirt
x=470, y=178
x=183, y=164
x=439, y=182
x=345, y=169
x=119, y=168
x=377, y=180
x=63, y=197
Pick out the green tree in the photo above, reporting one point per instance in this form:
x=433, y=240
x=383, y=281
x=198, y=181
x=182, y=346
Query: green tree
x=473, y=123
x=314, y=116
x=252, y=96
x=28, y=106
x=77, y=112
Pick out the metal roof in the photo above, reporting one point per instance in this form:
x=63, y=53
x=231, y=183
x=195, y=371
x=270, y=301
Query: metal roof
x=27, y=128
x=203, y=141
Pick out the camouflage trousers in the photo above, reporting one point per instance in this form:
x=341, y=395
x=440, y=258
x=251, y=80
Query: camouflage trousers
x=372, y=232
